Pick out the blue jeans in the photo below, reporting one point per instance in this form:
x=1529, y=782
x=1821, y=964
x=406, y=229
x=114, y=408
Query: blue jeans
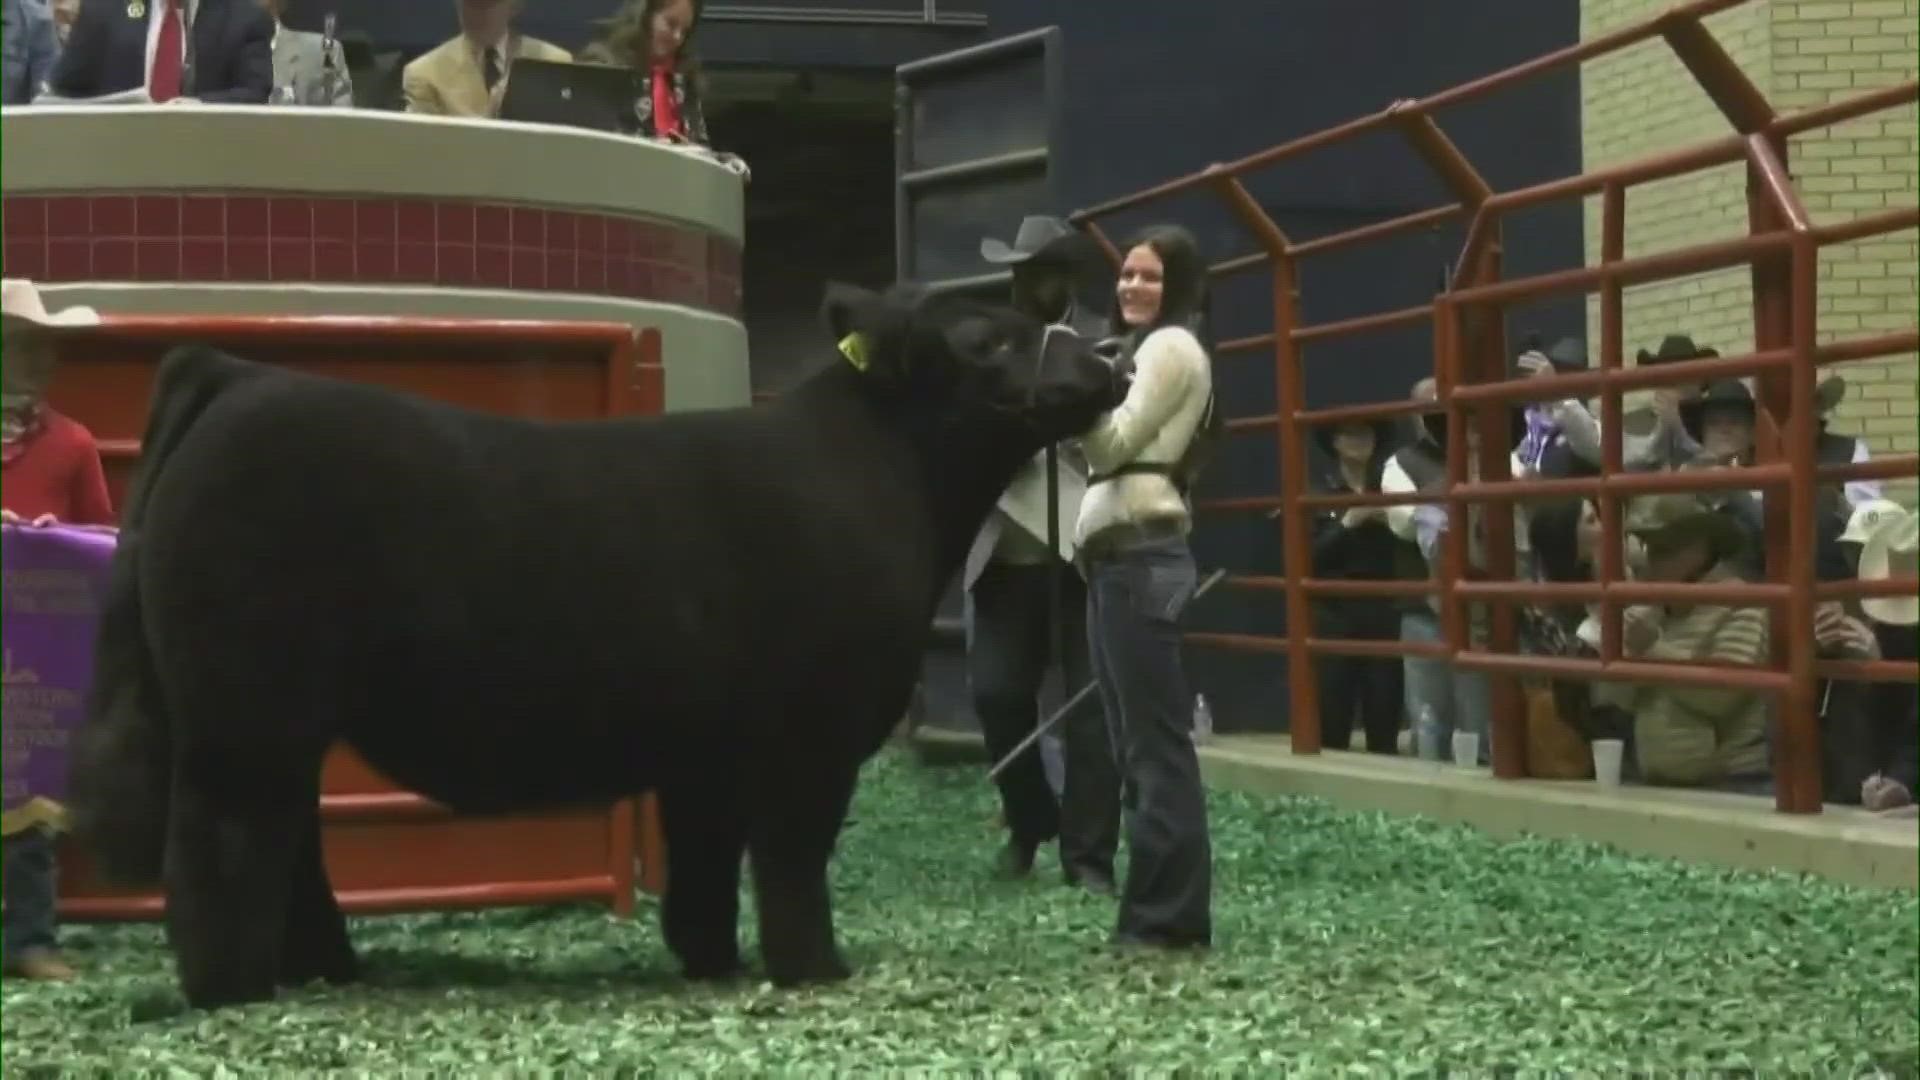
x=30, y=876
x=1459, y=699
x=1135, y=598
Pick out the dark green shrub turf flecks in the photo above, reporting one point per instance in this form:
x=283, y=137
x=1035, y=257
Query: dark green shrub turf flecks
x=1346, y=942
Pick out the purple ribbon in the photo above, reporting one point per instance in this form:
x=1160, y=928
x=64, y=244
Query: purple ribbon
x=54, y=581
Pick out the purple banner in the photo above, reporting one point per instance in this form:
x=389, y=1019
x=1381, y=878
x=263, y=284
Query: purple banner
x=54, y=580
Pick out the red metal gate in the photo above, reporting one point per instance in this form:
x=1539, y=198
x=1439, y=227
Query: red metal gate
x=1782, y=249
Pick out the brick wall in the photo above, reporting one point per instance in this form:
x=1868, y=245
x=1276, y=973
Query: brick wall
x=1801, y=53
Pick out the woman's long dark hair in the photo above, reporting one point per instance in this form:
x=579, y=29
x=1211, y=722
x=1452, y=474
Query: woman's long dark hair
x=629, y=38
x=1184, y=296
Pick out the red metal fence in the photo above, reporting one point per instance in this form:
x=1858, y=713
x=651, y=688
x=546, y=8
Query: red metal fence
x=1470, y=367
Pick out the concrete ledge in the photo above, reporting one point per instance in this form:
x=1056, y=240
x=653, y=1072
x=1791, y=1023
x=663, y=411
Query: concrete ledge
x=1844, y=844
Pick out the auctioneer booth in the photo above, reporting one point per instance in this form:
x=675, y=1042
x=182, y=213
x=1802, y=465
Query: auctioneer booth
x=524, y=269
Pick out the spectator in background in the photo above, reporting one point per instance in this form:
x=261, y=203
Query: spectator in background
x=307, y=68
x=1448, y=699
x=31, y=48
x=1835, y=449
x=1691, y=735
x=656, y=37
x=1358, y=546
x=1880, y=748
x=63, y=16
x=467, y=76
x=118, y=45
x=49, y=472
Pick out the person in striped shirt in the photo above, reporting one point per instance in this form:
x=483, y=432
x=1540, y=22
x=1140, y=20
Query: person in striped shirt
x=1692, y=735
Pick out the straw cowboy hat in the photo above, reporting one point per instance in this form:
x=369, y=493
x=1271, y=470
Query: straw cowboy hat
x=1672, y=518
x=20, y=305
x=1039, y=238
x=1889, y=538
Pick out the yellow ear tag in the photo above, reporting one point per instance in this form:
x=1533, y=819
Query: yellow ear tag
x=854, y=348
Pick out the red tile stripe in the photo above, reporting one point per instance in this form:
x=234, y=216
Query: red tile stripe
x=365, y=241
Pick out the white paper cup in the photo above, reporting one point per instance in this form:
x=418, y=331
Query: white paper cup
x=1606, y=761
x=1466, y=749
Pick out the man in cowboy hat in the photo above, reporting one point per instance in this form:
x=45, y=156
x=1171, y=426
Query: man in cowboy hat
x=1832, y=448
x=49, y=471
x=1692, y=736
x=1010, y=577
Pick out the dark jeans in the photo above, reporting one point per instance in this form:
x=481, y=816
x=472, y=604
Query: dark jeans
x=1869, y=728
x=1136, y=596
x=1009, y=643
x=30, y=875
x=1368, y=687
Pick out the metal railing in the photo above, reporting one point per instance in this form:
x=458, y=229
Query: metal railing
x=1470, y=369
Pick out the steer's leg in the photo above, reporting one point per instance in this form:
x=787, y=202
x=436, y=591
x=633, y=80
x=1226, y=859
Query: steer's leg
x=314, y=943
x=232, y=834
x=700, y=913
x=796, y=821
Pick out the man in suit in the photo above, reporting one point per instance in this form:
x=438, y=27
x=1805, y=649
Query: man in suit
x=1009, y=579
x=31, y=46
x=468, y=75
x=215, y=51
x=308, y=69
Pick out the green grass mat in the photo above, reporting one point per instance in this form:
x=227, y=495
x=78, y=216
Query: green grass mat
x=1345, y=941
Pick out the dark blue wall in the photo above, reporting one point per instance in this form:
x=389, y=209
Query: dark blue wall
x=1158, y=89
x=1171, y=87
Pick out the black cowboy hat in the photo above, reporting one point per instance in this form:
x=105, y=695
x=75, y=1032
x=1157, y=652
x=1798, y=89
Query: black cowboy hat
x=1384, y=436
x=1718, y=394
x=1040, y=237
x=1676, y=347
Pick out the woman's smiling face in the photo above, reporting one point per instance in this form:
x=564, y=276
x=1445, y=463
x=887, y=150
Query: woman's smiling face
x=1141, y=286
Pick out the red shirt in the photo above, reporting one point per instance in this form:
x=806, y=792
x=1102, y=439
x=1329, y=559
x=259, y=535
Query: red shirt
x=58, y=473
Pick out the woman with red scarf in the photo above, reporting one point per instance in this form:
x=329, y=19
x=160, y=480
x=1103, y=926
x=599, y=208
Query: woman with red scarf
x=49, y=471
x=656, y=36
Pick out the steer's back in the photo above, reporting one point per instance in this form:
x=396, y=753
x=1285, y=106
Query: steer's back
x=501, y=613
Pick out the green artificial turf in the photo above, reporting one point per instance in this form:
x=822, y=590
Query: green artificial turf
x=1344, y=942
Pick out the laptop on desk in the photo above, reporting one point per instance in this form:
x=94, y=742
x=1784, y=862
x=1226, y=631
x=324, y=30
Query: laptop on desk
x=592, y=96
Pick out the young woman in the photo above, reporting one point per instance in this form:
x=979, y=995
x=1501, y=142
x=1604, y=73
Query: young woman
x=1132, y=534
x=1356, y=545
x=656, y=36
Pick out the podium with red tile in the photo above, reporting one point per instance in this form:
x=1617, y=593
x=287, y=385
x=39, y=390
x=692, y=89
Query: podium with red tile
x=217, y=211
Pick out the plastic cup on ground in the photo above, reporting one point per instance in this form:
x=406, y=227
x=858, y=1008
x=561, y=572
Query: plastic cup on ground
x=1466, y=749
x=1606, y=761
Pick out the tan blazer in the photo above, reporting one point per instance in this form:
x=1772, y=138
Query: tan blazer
x=448, y=82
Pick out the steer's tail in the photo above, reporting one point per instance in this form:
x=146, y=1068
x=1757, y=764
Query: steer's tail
x=121, y=770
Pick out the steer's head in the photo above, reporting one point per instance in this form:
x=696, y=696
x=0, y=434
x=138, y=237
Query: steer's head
x=958, y=358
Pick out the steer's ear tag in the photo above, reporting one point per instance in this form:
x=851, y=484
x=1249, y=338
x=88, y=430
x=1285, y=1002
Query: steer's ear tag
x=854, y=348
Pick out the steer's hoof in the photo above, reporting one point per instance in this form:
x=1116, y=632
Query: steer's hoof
x=713, y=969
x=828, y=969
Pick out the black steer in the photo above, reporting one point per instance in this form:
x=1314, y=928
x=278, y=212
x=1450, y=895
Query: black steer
x=728, y=608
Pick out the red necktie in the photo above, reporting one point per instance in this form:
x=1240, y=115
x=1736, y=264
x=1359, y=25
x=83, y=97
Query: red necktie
x=169, y=55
